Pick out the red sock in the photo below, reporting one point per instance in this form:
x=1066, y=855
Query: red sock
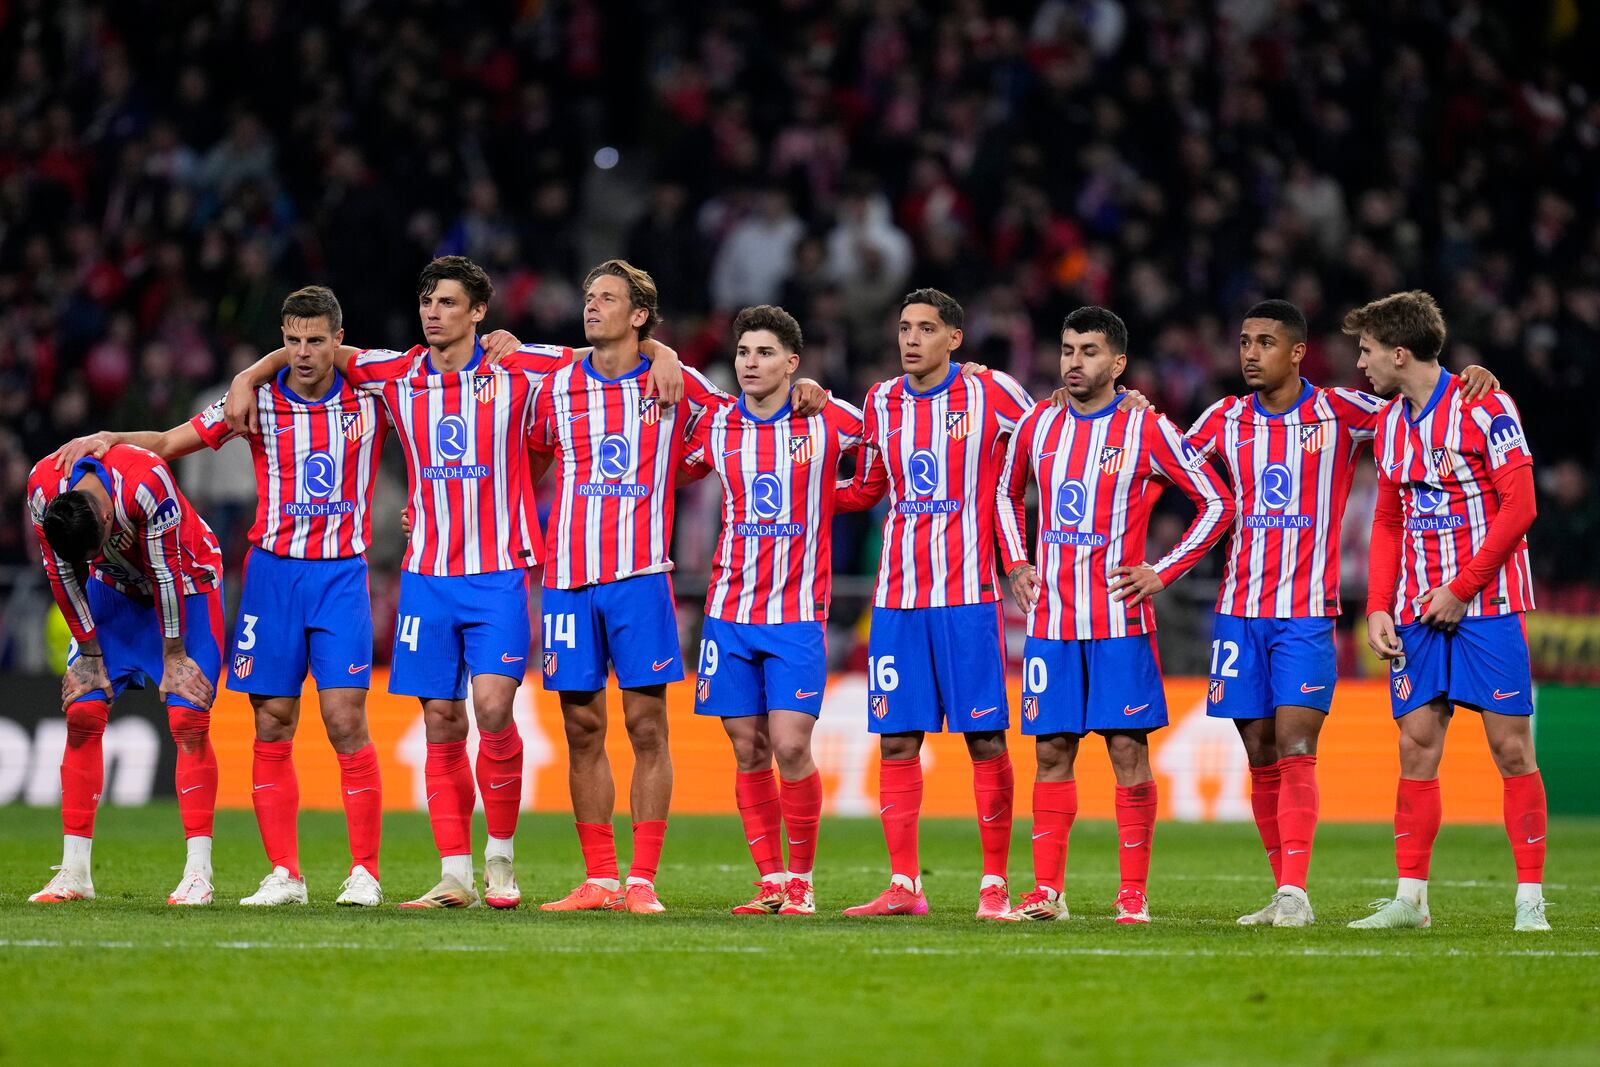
x=363, y=806
x=1264, y=784
x=83, y=766
x=1055, y=806
x=1417, y=814
x=196, y=779
x=899, y=806
x=275, y=792
x=500, y=779
x=1525, y=824
x=598, y=840
x=756, y=793
x=1136, y=825
x=994, y=786
x=647, y=839
x=802, y=814
x=450, y=796
x=1297, y=815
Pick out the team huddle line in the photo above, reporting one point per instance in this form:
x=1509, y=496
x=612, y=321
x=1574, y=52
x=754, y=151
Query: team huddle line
x=953, y=451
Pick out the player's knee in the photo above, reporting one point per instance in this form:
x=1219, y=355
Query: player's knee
x=648, y=735
x=791, y=753
x=1512, y=755
x=752, y=754
x=86, y=720
x=986, y=745
x=189, y=726
x=1419, y=756
x=347, y=733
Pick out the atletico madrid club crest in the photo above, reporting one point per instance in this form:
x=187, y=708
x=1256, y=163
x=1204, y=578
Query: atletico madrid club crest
x=549, y=664
x=1439, y=461
x=1402, y=687
x=878, y=704
x=1215, y=695
x=1030, y=708
x=1110, y=460
x=800, y=450
x=955, y=424
x=702, y=690
x=1312, y=438
x=483, y=387
x=351, y=424
x=243, y=665
x=649, y=410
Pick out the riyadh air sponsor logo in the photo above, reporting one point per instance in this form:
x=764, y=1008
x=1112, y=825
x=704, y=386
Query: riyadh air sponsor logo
x=320, y=475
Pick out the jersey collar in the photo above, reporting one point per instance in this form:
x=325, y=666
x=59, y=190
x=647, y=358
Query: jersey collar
x=1306, y=389
x=936, y=390
x=589, y=369
x=1102, y=413
x=1443, y=386
x=778, y=416
x=86, y=466
x=333, y=389
x=472, y=364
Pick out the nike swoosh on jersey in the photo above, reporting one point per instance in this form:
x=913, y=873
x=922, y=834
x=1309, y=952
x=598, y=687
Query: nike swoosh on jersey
x=357, y=670
x=1304, y=688
x=663, y=665
x=506, y=657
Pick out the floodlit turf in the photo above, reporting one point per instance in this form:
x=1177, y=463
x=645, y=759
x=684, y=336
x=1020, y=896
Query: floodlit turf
x=126, y=979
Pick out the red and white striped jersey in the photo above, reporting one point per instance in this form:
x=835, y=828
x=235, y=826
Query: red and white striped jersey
x=159, y=550
x=315, y=464
x=617, y=454
x=1291, y=476
x=465, y=436
x=1441, y=464
x=774, y=560
x=937, y=455
x=1099, y=477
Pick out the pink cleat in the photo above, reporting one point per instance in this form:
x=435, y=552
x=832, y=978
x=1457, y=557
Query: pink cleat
x=994, y=901
x=896, y=900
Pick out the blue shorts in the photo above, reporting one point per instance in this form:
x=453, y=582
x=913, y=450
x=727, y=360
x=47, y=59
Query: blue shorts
x=930, y=669
x=130, y=637
x=631, y=624
x=1483, y=665
x=453, y=627
x=1109, y=683
x=299, y=612
x=750, y=668
x=1261, y=665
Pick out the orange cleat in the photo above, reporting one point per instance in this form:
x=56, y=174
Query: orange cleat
x=640, y=899
x=768, y=899
x=896, y=900
x=587, y=897
x=994, y=901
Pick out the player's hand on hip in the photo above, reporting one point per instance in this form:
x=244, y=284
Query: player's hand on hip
x=239, y=409
x=1381, y=636
x=94, y=444
x=1444, y=609
x=498, y=345
x=665, y=381
x=85, y=675
x=808, y=398
x=1128, y=399
x=1024, y=586
x=182, y=677
x=1133, y=584
x=405, y=521
x=1476, y=383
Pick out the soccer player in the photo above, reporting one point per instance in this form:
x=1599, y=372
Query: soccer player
x=934, y=440
x=1289, y=450
x=463, y=611
x=137, y=574
x=304, y=602
x=1449, y=584
x=763, y=653
x=1090, y=660
x=607, y=598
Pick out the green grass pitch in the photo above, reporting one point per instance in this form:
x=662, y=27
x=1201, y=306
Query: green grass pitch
x=127, y=980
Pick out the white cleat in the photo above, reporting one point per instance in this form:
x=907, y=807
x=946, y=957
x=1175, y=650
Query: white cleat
x=1265, y=916
x=1398, y=914
x=500, y=883
x=277, y=888
x=1530, y=916
x=1294, y=909
x=71, y=884
x=360, y=890
x=451, y=892
x=193, y=891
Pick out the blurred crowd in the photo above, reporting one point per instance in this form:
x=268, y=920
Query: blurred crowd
x=169, y=170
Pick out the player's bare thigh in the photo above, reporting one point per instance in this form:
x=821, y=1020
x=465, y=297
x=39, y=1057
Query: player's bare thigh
x=1422, y=733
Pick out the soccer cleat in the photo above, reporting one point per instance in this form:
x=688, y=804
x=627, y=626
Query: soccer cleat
x=449, y=893
x=640, y=899
x=798, y=898
x=360, y=890
x=896, y=900
x=1132, y=907
x=768, y=899
x=69, y=884
x=994, y=902
x=1397, y=914
x=1530, y=916
x=1294, y=909
x=1265, y=916
x=587, y=897
x=193, y=891
x=500, y=883
x=1039, y=905
x=277, y=888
